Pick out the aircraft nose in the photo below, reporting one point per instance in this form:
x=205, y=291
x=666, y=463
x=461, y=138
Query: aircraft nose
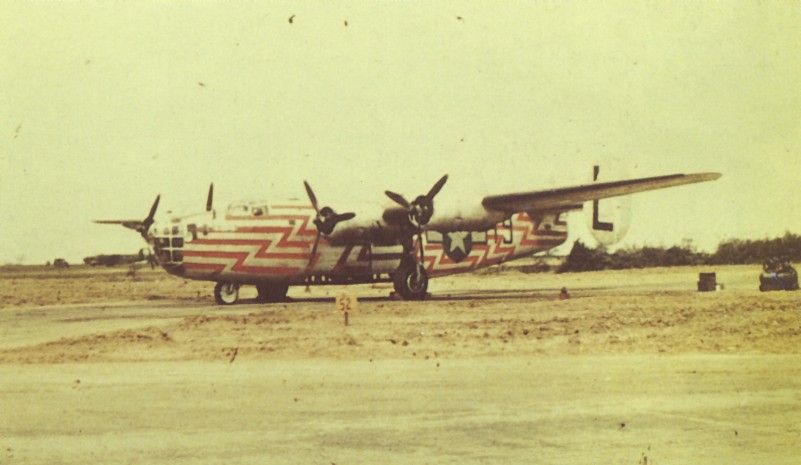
x=168, y=242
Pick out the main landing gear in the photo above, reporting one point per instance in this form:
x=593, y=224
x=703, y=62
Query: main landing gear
x=228, y=293
x=411, y=281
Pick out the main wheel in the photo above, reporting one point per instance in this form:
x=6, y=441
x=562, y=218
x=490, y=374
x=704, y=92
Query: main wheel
x=226, y=293
x=411, y=282
x=271, y=292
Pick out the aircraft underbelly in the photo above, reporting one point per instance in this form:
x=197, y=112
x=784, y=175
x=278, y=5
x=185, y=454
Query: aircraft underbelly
x=256, y=261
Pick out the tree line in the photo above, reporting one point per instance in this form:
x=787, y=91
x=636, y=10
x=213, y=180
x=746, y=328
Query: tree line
x=729, y=252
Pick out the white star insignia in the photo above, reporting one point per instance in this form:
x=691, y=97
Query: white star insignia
x=457, y=241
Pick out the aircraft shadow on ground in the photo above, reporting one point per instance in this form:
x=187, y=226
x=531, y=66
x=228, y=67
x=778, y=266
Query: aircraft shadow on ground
x=478, y=295
x=491, y=294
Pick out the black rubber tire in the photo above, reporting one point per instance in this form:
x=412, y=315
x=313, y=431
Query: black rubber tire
x=407, y=284
x=271, y=292
x=220, y=298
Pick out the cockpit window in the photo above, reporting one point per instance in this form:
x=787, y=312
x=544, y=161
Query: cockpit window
x=238, y=209
x=255, y=209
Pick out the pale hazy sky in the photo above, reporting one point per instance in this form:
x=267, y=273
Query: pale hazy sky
x=103, y=105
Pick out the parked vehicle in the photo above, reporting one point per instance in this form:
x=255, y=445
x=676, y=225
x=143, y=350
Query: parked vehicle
x=778, y=275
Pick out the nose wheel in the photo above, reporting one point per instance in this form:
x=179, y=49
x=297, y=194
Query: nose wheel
x=226, y=293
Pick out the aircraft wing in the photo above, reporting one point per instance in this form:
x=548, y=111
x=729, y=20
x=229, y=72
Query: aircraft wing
x=569, y=198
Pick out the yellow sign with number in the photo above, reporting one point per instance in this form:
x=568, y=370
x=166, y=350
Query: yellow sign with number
x=347, y=303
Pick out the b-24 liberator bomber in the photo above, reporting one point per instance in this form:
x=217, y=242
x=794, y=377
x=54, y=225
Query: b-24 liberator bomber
x=274, y=245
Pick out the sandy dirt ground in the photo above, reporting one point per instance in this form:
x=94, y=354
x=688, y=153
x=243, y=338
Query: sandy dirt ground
x=636, y=368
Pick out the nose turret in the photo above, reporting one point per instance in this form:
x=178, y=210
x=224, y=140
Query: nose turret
x=168, y=242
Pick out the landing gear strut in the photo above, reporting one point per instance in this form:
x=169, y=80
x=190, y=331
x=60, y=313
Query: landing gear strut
x=271, y=292
x=226, y=293
x=411, y=278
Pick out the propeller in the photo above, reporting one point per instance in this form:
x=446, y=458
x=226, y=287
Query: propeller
x=210, y=197
x=422, y=208
x=420, y=211
x=326, y=220
x=148, y=222
x=139, y=226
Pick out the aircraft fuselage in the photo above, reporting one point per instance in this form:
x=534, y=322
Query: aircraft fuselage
x=256, y=244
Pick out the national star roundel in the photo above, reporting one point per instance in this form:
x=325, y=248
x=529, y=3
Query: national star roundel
x=457, y=245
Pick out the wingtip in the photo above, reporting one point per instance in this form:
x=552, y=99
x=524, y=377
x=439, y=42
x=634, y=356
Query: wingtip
x=711, y=176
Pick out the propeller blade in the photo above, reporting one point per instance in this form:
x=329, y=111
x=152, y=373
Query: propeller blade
x=147, y=222
x=152, y=213
x=312, y=197
x=398, y=199
x=210, y=197
x=139, y=226
x=344, y=217
x=436, y=188
x=130, y=224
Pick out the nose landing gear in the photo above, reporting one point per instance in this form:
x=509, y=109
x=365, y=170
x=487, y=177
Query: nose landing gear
x=226, y=293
